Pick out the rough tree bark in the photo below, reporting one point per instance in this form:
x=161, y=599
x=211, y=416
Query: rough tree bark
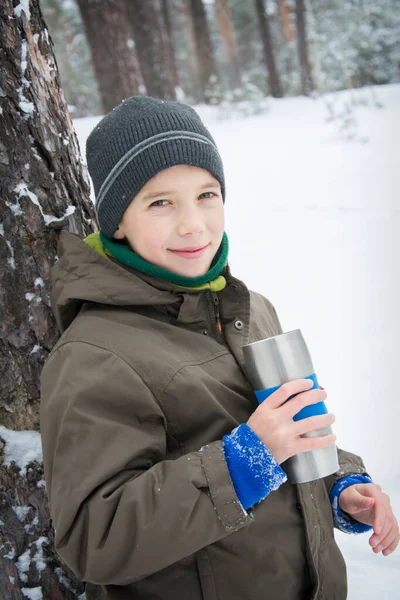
x=207, y=63
x=307, y=83
x=113, y=51
x=169, y=43
x=144, y=17
x=43, y=189
x=227, y=36
x=269, y=58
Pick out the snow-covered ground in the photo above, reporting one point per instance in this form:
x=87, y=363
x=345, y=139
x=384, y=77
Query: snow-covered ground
x=314, y=224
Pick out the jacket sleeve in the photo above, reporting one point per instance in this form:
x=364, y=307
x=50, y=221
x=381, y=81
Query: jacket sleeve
x=349, y=464
x=121, y=511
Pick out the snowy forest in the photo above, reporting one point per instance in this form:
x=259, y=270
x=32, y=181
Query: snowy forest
x=65, y=61
x=216, y=51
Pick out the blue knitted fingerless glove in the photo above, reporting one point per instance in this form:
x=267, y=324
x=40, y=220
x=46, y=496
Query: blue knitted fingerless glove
x=253, y=470
x=342, y=520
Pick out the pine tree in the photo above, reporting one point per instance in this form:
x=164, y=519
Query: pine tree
x=208, y=66
x=307, y=83
x=269, y=55
x=145, y=20
x=113, y=52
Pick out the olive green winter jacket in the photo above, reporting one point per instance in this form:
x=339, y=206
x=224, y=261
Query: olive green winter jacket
x=136, y=397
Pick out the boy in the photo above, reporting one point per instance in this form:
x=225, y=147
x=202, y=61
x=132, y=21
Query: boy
x=164, y=476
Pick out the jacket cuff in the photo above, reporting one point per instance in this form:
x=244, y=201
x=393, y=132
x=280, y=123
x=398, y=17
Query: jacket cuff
x=230, y=511
x=342, y=520
x=253, y=469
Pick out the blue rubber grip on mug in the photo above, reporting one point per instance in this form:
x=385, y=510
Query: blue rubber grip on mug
x=308, y=411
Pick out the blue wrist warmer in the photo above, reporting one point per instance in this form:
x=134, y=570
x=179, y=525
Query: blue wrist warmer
x=253, y=470
x=343, y=521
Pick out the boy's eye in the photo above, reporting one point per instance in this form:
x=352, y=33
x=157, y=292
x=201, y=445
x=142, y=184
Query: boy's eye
x=207, y=195
x=159, y=203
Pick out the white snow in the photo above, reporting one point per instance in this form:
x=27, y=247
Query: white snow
x=314, y=222
x=39, y=557
x=21, y=512
x=35, y=349
x=33, y=593
x=29, y=296
x=11, y=260
x=21, y=189
x=21, y=447
x=39, y=282
x=26, y=106
x=23, y=6
x=22, y=564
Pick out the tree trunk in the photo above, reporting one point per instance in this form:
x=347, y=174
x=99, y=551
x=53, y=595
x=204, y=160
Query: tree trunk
x=269, y=58
x=193, y=62
x=208, y=66
x=43, y=189
x=287, y=28
x=144, y=18
x=307, y=84
x=169, y=43
x=113, y=53
x=227, y=36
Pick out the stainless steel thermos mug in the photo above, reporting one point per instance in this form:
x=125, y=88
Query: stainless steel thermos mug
x=273, y=362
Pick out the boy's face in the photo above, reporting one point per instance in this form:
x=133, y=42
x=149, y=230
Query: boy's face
x=176, y=221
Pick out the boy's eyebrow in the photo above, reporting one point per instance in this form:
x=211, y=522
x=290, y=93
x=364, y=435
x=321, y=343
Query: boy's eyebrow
x=213, y=184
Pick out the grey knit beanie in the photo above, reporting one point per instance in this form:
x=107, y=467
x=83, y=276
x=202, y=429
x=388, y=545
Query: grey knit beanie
x=136, y=140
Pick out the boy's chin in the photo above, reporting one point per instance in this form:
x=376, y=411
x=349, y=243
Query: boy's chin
x=191, y=271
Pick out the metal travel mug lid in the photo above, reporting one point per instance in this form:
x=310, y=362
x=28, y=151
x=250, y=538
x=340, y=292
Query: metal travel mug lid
x=277, y=360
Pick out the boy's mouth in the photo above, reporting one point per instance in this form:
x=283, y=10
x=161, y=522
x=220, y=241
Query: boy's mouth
x=190, y=252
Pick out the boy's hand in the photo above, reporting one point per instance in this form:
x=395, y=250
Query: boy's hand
x=273, y=420
x=367, y=503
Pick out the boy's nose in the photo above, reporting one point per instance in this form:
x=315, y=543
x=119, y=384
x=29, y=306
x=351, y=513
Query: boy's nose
x=190, y=223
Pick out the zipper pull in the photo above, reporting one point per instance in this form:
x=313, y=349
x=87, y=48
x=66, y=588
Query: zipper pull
x=218, y=325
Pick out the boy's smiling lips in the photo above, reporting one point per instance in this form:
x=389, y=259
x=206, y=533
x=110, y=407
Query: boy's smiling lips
x=190, y=251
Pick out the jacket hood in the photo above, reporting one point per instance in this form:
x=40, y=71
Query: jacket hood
x=83, y=275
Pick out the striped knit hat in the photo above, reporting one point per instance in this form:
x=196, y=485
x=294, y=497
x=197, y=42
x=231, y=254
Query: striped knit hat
x=139, y=138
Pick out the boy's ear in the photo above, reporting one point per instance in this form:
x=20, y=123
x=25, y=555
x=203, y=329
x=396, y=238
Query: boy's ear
x=118, y=233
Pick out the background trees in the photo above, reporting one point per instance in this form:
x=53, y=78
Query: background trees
x=276, y=45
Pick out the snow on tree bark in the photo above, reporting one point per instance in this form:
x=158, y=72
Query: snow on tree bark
x=113, y=50
x=145, y=20
x=307, y=84
x=269, y=58
x=43, y=189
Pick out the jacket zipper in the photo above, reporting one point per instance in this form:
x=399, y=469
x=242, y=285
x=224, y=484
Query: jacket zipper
x=213, y=312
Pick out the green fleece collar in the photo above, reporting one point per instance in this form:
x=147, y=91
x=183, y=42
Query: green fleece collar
x=212, y=280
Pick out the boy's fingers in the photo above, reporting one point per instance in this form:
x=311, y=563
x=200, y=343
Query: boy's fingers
x=287, y=390
x=380, y=516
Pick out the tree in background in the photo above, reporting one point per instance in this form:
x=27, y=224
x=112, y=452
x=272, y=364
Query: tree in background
x=73, y=56
x=145, y=20
x=269, y=56
x=170, y=43
x=208, y=66
x=43, y=189
x=307, y=83
x=228, y=42
x=113, y=50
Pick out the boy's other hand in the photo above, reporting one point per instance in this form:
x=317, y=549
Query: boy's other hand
x=367, y=503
